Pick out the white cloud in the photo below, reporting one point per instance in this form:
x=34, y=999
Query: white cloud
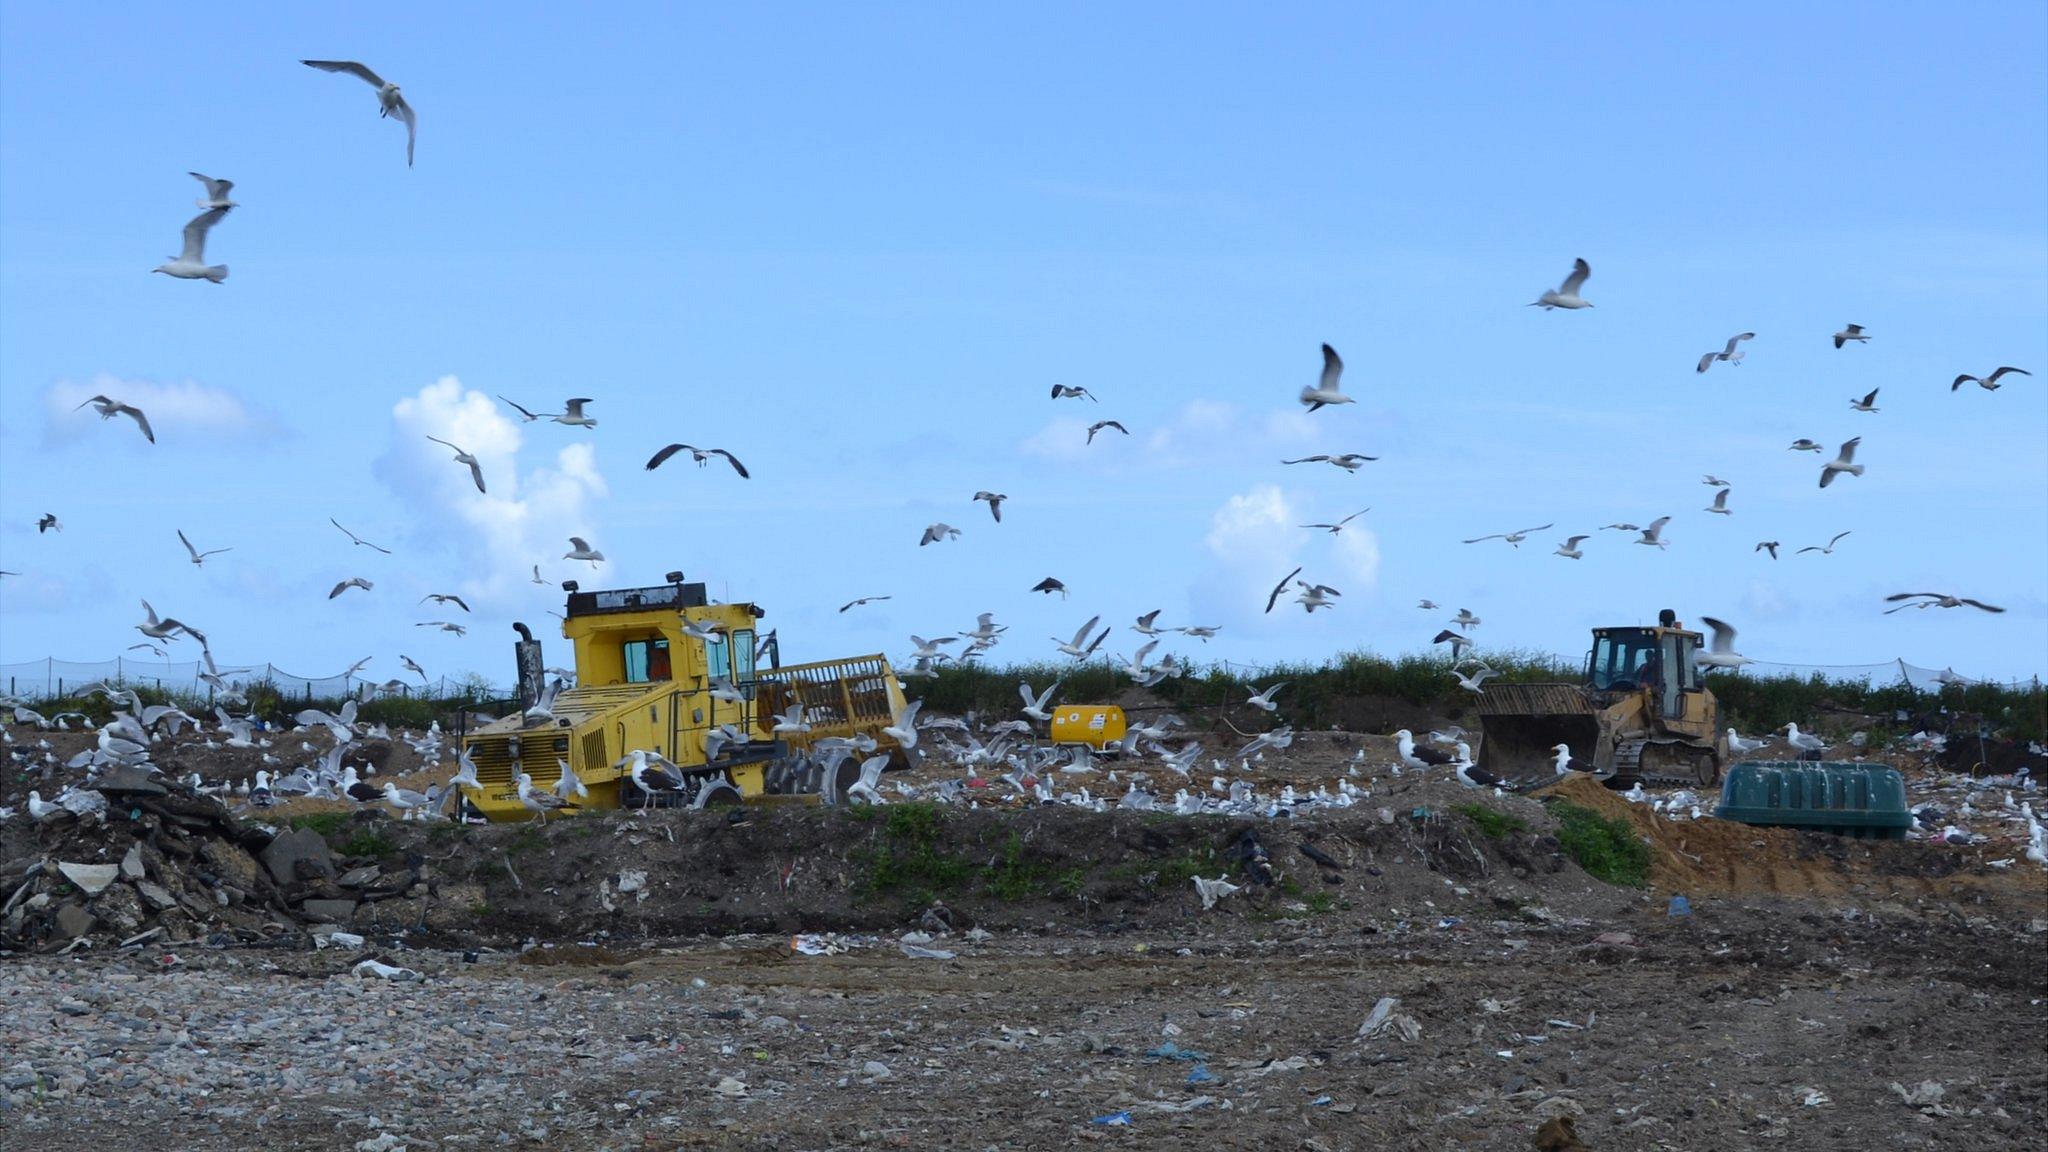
x=173, y=410
x=1256, y=537
x=520, y=521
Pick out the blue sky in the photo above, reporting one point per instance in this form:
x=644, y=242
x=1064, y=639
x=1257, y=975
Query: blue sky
x=857, y=247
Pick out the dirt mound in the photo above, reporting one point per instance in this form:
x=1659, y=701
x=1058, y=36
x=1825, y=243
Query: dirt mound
x=1724, y=857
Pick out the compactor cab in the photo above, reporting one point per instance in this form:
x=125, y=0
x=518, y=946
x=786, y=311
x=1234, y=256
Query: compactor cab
x=1642, y=711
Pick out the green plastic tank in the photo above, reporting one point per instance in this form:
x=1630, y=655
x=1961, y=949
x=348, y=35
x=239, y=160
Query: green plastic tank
x=1865, y=800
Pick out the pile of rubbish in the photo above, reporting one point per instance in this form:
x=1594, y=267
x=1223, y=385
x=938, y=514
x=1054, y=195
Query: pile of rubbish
x=164, y=864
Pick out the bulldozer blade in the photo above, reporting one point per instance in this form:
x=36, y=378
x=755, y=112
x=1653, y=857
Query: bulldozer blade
x=1523, y=749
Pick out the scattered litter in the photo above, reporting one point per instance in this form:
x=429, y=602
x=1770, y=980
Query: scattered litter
x=918, y=952
x=1811, y=1097
x=731, y=1087
x=382, y=971
x=876, y=1069
x=1188, y=1105
x=825, y=943
x=1200, y=1074
x=1680, y=907
x=1320, y=1102
x=382, y=1142
x=1114, y=1119
x=1172, y=1051
x=1926, y=1094
x=337, y=940
x=1383, y=1018
x=1213, y=890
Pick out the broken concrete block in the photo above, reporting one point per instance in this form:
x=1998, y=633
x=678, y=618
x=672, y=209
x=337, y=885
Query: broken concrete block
x=337, y=911
x=289, y=849
x=131, y=864
x=73, y=921
x=92, y=879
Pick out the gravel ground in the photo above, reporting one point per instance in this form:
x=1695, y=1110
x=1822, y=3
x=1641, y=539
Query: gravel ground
x=1746, y=1025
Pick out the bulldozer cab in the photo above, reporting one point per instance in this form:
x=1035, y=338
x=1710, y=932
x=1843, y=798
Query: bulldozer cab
x=1662, y=661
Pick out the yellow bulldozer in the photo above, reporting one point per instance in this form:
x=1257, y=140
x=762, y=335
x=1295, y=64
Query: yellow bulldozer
x=661, y=670
x=1642, y=712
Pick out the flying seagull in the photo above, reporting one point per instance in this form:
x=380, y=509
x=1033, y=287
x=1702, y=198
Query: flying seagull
x=190, y=264
x=1050, y=585
x=1829, y=550
x=1714, y=481
x=1427, y=605
x=700, y=455
x=580, y=549
x=390, y=102
x=572, y=413
x=444, y=598
x=1770, y=546
x=1281, y=587
x=351, y=582
x=1329, y=387
x=199, y=557
x=1099, y=425
x=1654, y=534
x=1334, y=529
x=995, y=503
x=1867, y=404
x=1314, y=596
x=166, y=628
x=1465, y=619
x=1570, y=548
x=1720, y=651
x=1566, y=295
x=1457, y=642
x=109, y=408
x=1988, y=383
x=366, y=544
x=46, y=522
x=861, y=601
x=1851, y=332
x=463, y=456
x=536, y=576
x=1622, y=527
x=1079, y=647
x=1720, y=504
x=1064, y=392
x=1513, y=538
x=1842, y=462
x=1144, y=626
x=1935, y=600
x=1804, y=445
x=1348, y=461
x=412, y=666
x=444, y=625
x=525, y=415
x=216, y=192
x=1729, y=353
x=935, y=533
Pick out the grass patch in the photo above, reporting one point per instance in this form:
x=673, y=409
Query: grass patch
x=325, y=823
x=909, y=858
x=373, y=844
x=1491, y=824
x=1608, y=850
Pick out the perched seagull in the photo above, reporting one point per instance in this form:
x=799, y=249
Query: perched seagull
x=700, y=455
x=1720, y=651
x=48, y=522
x=444, y=598
x=1064, y=392
x=1720, y=505
x=1513, y=538
x=1842, y=462
x=1049, y=585
x=861, y=601
x=351, y=582
x=580, y=549
x=1804, y=741
x=190, y=264
x=462, y=456
x=1851, y=332
x=1314, y=596
x=390, y=102
x=1804, y=445
x=1713, y=481
x=1348, y=461
x=109, y=408
x=1566, y=295
x=166, y=628
x=1263, y=699
x=1465, y=619
x=1740, y=744
x=1988, y=383
x=1935, y=600
x=1329, y=387
x=1770, y=546
x=198, y=557
x=1473, y=776
x=538, y=802
x=1654, y=534
x=1099, y=425
x=526, y=415
x=1868, y=403
x=572, y=413
x=936, y=533
x=1570, y=548
x=995, y=503
x=1729, y=353
x=1279, y=588
x=1079, y=647
x=1417, y=757
x=216, y=192
x=366, y=544
x=1334, y=529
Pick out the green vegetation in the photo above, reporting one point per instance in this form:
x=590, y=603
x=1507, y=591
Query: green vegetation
x=1759, y=704
x=909, y=859
x=1491, y=824
x=368, y=843
x=325, y=823
x=1608, y=850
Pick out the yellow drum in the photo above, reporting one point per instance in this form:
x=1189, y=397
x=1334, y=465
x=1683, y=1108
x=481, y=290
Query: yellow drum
x=1099, y=726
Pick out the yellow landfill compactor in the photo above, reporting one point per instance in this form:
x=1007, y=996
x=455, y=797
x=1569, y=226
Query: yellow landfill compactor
x=1642, y=712
x=661, y=670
